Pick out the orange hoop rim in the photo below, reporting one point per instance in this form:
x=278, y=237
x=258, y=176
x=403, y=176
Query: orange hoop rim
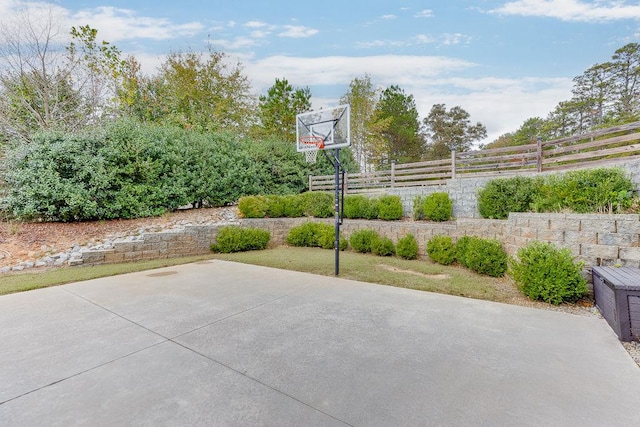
x=318, y=141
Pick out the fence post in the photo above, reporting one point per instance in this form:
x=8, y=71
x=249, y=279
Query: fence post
x=393, y=173
x=345, y=183
x=310, y=182
x=539, y=153
x=453, y=164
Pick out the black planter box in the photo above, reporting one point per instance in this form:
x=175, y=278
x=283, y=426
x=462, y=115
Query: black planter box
x=617, y=295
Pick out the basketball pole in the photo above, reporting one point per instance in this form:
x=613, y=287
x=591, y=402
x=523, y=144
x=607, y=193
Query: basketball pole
x=337, y=166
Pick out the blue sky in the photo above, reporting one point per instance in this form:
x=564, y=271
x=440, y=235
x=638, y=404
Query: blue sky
x=503, y=61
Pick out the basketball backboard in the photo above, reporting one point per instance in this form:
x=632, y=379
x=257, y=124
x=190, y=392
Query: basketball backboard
x=323, y=129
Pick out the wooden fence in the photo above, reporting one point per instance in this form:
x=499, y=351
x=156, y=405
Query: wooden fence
x=604, y=146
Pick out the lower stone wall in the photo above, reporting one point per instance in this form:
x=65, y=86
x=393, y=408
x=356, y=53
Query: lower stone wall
x=594, y=239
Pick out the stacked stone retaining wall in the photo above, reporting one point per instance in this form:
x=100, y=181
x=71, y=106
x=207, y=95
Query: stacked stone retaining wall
x=594, y=239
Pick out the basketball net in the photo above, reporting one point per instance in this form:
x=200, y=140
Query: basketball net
x=317, y=142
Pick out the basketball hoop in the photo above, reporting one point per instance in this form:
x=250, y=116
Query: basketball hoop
x=311, y=144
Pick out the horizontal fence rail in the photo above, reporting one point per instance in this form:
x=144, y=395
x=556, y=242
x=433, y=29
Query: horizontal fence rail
x=587, y=150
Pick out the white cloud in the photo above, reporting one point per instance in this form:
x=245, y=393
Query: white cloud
x=297, y=31
x=571, y=10
x=426, y=13
x=387, y=17
x=117, y=24
x=501, y=104
x=449, y=39
x=255, y=24
x=235, y=44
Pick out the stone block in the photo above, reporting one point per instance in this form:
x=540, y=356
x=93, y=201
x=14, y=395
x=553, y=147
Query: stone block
x=551, y=236
x=563, y=224
x=581, y=237
x=603, y=224
x=618, y=239
x=599, y=251
x=113, y=257
x=632, y=253
x=628, y=225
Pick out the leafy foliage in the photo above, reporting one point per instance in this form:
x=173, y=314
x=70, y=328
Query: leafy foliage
x=390, y=208
x=438, y=207
x=485, y=256
x=407, y=247
x=503, y=195
x=253, y=206
x=314, y=234
x=360, y=207
x=441, y=250
x=383, y=246
x=451, y=130
x=238, y=239
x=317, y=204
x=278, y=109
x=586, y=191
x=461, y=248
x=361, y=240
x=418, y=209
x=581, y=191
x=543, y=272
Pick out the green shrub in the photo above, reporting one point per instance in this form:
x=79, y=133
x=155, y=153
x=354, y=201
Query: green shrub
x=383, y=246
x=317, y=204
x=486, y=256
x=358, y=206
x=390, y=208
x=543, y=272
x=418, y=208
x=253, y=206
x=603, y=190
x=361, y=240
x=441, y=250
x=275, y=206
x=407, y=247
x=315, y=235
x=292, y=206
x=503, y=195
x=237, y=239
x=438, y=207
x=462, y=246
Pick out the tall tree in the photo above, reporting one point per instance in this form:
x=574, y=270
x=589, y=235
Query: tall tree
x=446, y=131
x=279, y=107
x=396, y=117
x=363, y=98
x=592, y=95
x=626, y=69
x=44, y=85
x=201, y=90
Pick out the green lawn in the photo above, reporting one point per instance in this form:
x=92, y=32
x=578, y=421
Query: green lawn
x=420, y=274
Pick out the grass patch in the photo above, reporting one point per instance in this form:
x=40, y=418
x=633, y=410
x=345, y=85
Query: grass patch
x=420, y=274
x=20, y=282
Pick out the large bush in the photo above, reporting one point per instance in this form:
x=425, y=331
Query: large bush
x=485, y=256
x=603, y=190
x=544, y=272
x=503, y=195
x=390, y=208
x=407, y=247
x=253, y=206
x=438, y=207
x=314, y=234
x=383, y=246
x=361, y=240
x=237, y=239
x=317, y=204
x=418, y=209
x=441, y=250
x=360, y=207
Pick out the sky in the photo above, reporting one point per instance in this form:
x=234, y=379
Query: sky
x=503, y=61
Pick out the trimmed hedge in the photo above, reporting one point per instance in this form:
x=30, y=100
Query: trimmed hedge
x=407, y=247
x=360, y=207
x=315, y=235
x=602, y=190
x=438, y=207
x=486, y=256
x=383, y=246
x=237, y=239
x=361, y=240
x=390, y=208
x=544, y=272
x=441, y=250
